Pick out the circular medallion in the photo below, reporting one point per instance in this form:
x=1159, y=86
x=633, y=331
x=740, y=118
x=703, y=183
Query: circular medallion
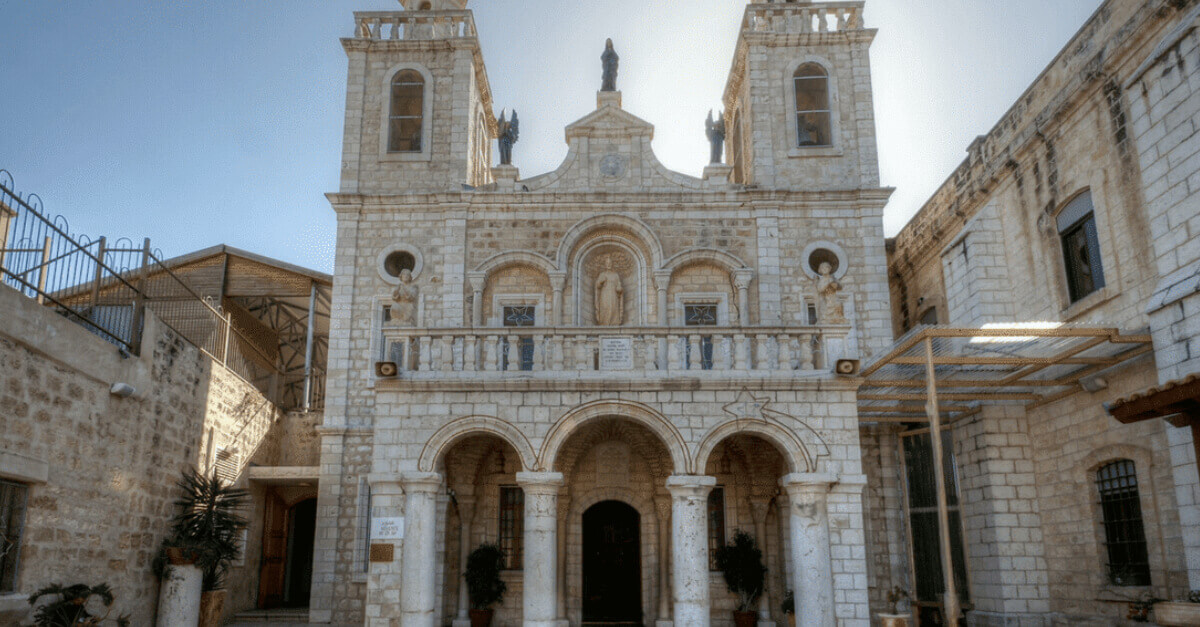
x=612, y=166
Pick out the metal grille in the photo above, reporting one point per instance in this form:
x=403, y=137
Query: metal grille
x=523, y=316
x=923, y=517
x=1125, y=537
x=512, y=525
x=716, y=525
x=701, y=316
x=12, y=521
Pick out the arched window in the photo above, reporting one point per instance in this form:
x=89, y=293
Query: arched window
x=813, y=115
x=407, y=112
x=1124, y=535
x=1081, y=247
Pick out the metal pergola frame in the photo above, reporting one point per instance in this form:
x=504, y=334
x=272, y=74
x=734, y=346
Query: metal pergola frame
x=1032, y=364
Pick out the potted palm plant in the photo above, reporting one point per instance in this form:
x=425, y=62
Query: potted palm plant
x=741, y=563
x=1186, y=612
x=205, y=533
x=484, y=586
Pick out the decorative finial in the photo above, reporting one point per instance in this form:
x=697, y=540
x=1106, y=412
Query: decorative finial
x=609, y=61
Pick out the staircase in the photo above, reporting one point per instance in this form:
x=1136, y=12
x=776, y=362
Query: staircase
x=270, y=618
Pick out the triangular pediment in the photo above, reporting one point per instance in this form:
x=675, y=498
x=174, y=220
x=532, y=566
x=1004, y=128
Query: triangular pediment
x=610, y=121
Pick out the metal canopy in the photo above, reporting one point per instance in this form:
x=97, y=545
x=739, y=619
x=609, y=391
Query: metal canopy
x=1027, y=363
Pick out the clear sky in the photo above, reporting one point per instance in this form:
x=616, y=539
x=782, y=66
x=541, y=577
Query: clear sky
x=198, y=123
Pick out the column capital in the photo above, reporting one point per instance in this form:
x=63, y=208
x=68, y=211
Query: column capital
x=759, y=507
x=662, y=278
x=477, y=280
x=742, y=278
x=558, y=280
x=540, y=481
x=421, y=482
x=690, y=486
x=807, y=483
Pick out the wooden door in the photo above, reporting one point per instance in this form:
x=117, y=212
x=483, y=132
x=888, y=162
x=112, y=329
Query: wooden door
x=274, y=553
x=612, y=578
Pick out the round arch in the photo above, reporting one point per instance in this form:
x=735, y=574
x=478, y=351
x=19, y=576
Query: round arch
x=721, y=258
x=456, y=430
x=515, y=258
x=670, y=436
x=614, y=221
x=790, y=446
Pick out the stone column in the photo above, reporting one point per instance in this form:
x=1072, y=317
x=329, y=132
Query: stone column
x=812, y=568
x=662, y=507
x=741, y=280
x=759, y=508
x=477, y=282
x=564, y=508
x=661, y=281
x=418, y=590
x=689, y=548
x=558, y=280
x=541, y=547
x=466, y=514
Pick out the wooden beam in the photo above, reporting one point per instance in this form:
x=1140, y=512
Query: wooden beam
x=950, y=601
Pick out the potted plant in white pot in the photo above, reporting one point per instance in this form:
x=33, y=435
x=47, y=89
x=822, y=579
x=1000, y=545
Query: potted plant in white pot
x=206, y=531
x=484, y=586
x=1172, y=613
x=741, y=563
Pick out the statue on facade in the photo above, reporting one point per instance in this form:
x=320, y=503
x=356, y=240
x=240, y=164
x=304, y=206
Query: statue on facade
x=403, y=311
x=510, y=132
x=609, y=60
x=610, y=297
x=716, y=136
x=829, y=291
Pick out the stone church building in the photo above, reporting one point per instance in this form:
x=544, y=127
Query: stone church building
x=609, y=369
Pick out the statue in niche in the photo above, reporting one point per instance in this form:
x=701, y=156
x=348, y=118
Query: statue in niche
x=403, y=312
x=716, y=136
x=609, y=60
x=829, y=291
x=610, y=296
x=510, y=132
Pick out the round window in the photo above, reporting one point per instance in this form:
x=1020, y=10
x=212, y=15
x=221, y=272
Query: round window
x=819, y=252
x=399, y=261
x=824, y=255
x=397, y=258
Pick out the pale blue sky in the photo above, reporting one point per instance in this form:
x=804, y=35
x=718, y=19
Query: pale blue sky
x=198, y=123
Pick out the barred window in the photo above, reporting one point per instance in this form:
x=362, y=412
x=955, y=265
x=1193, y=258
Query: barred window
x=520, y=317
x=407, y=114
x=13, y=497
x=1124, y=534
x=512, y=526
x=716, y=524
x=704, y=315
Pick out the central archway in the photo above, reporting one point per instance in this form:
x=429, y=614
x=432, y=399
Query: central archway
x=612, y=577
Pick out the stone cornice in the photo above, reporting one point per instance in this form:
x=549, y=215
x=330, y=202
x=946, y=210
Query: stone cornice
x=728, y=381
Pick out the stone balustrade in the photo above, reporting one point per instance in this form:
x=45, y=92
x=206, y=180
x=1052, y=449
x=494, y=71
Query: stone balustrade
x=413, y=25
x=792, y=17
x=448, y=353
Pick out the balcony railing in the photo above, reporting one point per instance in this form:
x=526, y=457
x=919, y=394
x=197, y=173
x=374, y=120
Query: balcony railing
x=825, y=17
x=413, y=25
x=447, y=353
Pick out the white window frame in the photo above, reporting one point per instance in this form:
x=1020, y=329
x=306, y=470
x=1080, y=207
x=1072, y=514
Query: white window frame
x=834, y=149
x=385, y=115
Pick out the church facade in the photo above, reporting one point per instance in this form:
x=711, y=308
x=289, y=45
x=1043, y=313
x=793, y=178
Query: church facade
x=609, y=369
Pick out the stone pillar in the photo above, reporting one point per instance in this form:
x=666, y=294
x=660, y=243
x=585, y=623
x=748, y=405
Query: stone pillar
x=812, y=568
x=541, y=547
x=477, y=282
x=179, y=597
x=661, y=281
x=741, y=280
x=662, y=507
x=759, y=508
x=466, y=514
x=689, y=548
x=564, y=508
x=558, y=280
x=418, y=592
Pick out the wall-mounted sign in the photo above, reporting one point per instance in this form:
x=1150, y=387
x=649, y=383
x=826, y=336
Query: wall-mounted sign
x=616, y=353
x=387, y=528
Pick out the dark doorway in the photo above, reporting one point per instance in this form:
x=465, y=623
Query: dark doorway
x=612, y=574
x=302, y=528
x=285, y=579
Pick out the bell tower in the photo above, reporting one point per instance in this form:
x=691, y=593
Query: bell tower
x=418, y=102
x=799, y=107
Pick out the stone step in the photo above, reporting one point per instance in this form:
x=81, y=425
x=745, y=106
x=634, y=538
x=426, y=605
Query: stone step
x=270, y=618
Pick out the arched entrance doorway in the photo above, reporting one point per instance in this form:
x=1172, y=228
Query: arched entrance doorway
x=612, y=574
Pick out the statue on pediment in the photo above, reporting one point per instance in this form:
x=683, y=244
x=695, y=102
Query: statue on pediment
x=609, y=60
x=510, y=132
x=716, y=136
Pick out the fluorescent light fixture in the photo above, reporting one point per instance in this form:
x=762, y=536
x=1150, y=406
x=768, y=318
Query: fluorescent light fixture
x=1013, y=326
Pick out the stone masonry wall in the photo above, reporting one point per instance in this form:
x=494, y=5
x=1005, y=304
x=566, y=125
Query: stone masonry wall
x=112, y=462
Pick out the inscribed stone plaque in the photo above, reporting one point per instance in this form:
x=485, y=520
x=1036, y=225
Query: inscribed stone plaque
x=387, y=528
x=616, y=353
x=383, y=553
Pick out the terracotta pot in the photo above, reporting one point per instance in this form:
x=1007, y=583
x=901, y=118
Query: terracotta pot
x=1172, y=614
x=177, y=557
x=894, y=620
x=212, y=606
x=791, y=620
x=745, y=619
x=481, y=618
